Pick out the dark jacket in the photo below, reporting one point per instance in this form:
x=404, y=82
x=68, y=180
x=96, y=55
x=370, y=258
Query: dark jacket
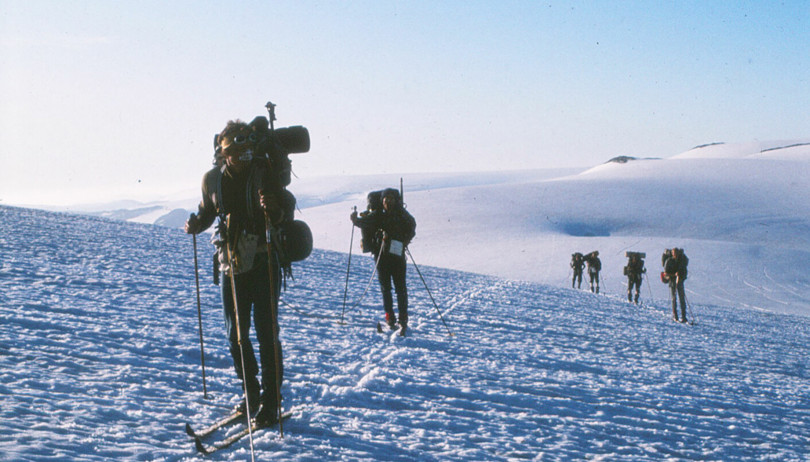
x=594, y=264
x=676, y=266
x=228, y=193
x=577, y=263
x=395, y=224
x=634, y=268
x=398, y=225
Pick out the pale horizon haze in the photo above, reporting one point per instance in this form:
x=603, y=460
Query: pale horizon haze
x=120, y=100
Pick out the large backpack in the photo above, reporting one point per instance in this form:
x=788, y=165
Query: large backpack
x=370, y=241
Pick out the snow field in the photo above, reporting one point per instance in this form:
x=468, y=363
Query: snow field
x=99, y=360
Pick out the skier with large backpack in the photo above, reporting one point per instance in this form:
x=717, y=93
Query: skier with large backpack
x=594, y=266
x=246, y=191
x=394, y=229
x=675, y=272
x=577, y=264
x=634, y=270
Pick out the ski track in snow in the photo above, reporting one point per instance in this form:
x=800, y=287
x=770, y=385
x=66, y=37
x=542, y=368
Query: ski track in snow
x=100, y=360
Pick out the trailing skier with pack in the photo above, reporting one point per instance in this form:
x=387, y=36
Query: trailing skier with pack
x=394, y=229
x=577, y=264
x=634, y=270
x=594, y=266
x=674, y=274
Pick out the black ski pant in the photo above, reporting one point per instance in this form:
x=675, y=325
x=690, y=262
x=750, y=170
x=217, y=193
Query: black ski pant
x=676, y=291
x=253, y=291
x=577, y=277
x=633, y=281
x=392, y=268
x=594, y=281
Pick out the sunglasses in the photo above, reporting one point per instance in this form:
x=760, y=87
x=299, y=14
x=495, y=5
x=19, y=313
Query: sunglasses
x=242, y=139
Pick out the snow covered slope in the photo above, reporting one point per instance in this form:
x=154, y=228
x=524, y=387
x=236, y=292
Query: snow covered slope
x=100, y=360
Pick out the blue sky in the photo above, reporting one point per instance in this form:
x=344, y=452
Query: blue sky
x=104, y=100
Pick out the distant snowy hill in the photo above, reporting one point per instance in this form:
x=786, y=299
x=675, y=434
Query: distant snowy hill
x=100, y=359
x=741, y=211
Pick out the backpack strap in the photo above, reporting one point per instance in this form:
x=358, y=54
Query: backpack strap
x=218, y=201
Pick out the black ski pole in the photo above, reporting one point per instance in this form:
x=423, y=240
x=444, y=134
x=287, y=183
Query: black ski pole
x=274, y=318
x=370, y=280
x=231, y=269
x=428, y=291
x=348, y=267
x=689, y=307
x=199, y=314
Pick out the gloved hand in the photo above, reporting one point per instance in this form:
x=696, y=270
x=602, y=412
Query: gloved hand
x=272, y=209
x=192, y=225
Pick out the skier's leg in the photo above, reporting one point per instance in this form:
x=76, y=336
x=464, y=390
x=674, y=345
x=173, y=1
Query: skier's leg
x=384, y=276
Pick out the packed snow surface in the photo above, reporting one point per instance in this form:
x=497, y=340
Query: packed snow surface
x=100, y=360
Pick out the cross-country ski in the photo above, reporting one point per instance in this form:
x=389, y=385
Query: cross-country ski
x=232, y=439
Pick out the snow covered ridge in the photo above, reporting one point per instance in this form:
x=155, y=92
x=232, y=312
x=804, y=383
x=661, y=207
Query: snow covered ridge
x=100, y=360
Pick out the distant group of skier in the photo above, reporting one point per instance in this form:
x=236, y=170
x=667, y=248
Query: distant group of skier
x=578, y=262
x=674, y=262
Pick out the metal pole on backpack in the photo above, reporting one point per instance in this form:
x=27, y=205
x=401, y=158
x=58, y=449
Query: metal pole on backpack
x=428, y=291
x=271, y=116
x=199, y=314
x=274, y=318
x=348, y=267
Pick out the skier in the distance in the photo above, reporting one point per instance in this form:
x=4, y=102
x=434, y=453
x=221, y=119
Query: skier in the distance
x=634, y=272
x=675, y=269
x=246, y=190
x=594, y=266
x=578, y=264
x=396, y=228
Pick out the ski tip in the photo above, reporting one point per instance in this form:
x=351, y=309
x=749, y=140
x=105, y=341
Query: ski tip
x=200, y=446
x=190, y=431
